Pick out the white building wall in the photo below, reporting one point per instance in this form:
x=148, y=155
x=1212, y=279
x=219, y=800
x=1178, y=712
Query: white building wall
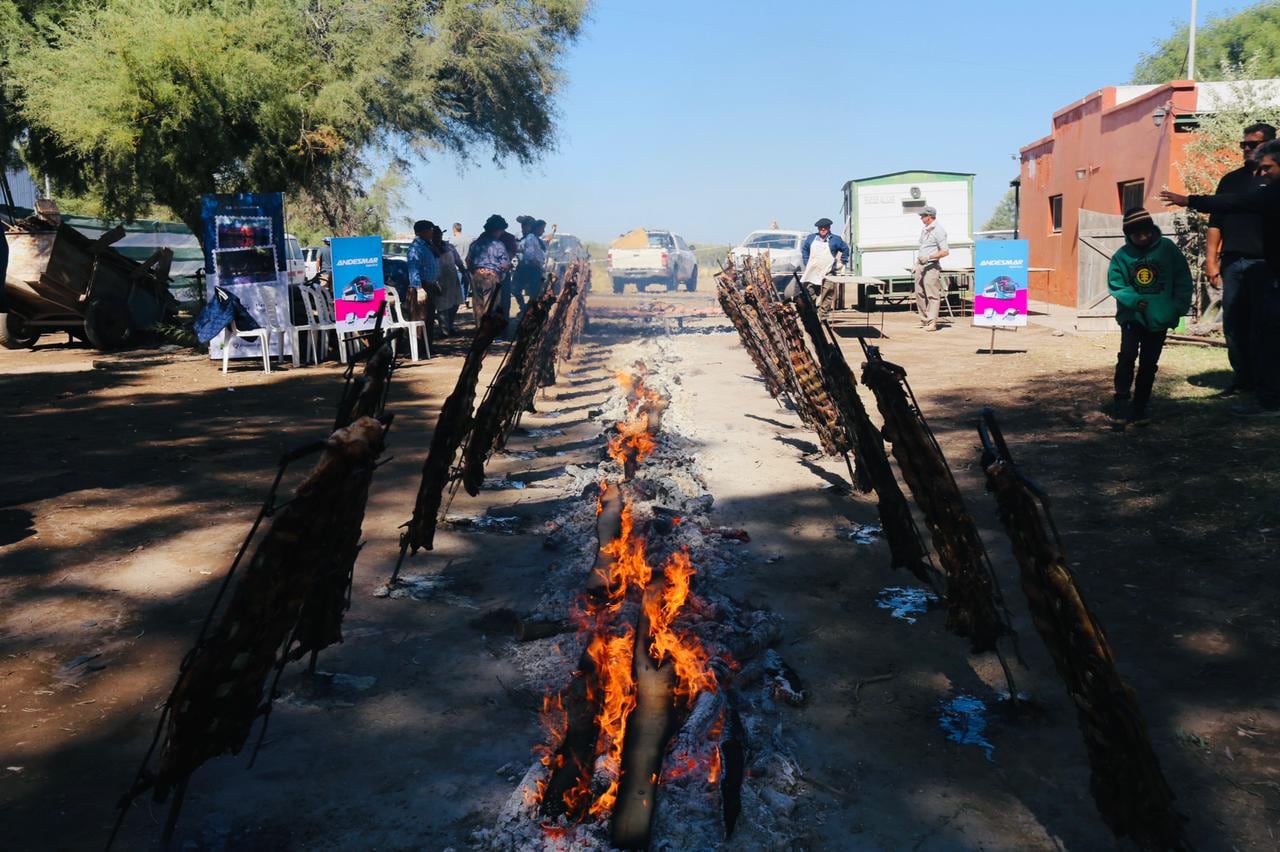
x=889, y=224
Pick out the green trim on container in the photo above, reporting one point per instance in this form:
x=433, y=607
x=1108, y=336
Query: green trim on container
x=906, y=177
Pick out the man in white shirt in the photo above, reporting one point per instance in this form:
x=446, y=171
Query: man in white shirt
x=928, y=270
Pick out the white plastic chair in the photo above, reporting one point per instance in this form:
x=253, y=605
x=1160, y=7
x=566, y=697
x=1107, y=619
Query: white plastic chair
x=320, y=322
x=273, y=327
x=395, y=318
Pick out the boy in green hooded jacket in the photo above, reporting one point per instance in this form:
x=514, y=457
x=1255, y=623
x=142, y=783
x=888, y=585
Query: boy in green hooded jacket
x=1151, y=283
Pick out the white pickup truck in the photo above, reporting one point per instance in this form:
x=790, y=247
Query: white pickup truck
x=666, y=260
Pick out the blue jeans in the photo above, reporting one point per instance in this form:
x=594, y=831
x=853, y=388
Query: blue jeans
x=1236, y=273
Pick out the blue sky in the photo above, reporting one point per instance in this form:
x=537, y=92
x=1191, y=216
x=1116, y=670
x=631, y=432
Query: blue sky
x=713, y=118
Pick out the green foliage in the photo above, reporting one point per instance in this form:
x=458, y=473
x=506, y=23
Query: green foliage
x=350, y=209
x=1226, y=42
x=1003, y=217
x=139, y=102
x=1213, y=152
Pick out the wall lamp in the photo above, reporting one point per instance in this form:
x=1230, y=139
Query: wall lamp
x=1158, y=115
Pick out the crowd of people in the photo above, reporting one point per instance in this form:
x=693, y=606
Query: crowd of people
x=487, y=272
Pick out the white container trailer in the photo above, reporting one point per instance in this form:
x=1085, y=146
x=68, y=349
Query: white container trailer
x=882, y=220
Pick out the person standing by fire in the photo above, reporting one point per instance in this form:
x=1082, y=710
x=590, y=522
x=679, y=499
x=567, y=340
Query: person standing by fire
x=489, y=262
x=928, y=268
x=821, y=254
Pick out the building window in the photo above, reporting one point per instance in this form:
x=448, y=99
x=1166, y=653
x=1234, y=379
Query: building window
x=1055, y=212
x=1132, y=194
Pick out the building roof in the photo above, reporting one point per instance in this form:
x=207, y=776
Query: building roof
x=1209, y=97
x=910, y=175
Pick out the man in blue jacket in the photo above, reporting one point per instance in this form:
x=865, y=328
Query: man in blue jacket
x=821, y=254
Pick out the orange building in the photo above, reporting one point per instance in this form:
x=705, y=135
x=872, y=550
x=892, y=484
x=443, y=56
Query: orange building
x=1114, y=149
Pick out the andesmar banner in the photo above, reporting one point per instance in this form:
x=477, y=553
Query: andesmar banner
x=358, y=288
x=1000, y=282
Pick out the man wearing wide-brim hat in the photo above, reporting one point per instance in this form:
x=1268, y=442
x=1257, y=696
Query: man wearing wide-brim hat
x=821, y=254
x=928, y=268
x=489, y=261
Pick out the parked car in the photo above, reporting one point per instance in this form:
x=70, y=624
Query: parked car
x=783, y=248
x=316, y=260
x=396, y=247
x=395, y=273
x=564, y=249
x=652, y=257
x=295, y=263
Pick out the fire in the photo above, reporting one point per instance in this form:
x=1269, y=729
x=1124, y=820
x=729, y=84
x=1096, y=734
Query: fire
x=613, y=659
x=611, y=647
x=555, y=721
x=633, y=442
x=713, y=774
x=629, y=567
x=690, y=659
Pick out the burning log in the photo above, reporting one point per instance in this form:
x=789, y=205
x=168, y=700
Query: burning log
x=570, y=764
x=451, y=427
x=634, y=438
x=221, y=688
x=973, y=608
x=1128, y=785
x=608, y=530
x=648, y=729
x=498, y=409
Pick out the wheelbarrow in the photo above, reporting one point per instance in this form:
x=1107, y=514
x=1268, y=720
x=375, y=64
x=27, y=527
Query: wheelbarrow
x=60, y=280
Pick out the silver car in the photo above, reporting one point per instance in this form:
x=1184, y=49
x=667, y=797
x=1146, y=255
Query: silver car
x=783, y=248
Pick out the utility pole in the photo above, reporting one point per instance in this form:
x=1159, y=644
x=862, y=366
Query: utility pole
x=1191, y=45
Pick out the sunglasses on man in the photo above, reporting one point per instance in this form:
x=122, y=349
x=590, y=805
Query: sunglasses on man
x=1248, y=145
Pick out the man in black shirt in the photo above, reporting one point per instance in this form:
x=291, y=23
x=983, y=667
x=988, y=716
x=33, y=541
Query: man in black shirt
x=1263, y=281
x=1233, y=248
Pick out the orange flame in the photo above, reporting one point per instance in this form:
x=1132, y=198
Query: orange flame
x=613, y=659
x=629, y=566
x=690, y=659
x=555, y=721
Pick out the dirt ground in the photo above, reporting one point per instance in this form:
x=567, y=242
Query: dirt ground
x=133, y=477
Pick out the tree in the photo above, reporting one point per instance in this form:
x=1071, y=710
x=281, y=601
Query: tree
x=1004, y=217
x=1225, y=42
x=367, y=212
x=140, y=102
